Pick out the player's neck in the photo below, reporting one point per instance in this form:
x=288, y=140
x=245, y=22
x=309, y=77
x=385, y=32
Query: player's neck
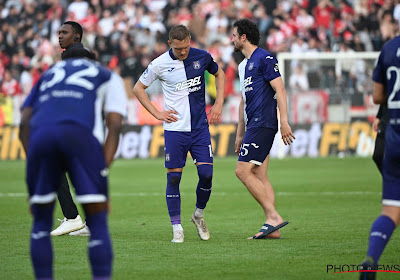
x=248, y=50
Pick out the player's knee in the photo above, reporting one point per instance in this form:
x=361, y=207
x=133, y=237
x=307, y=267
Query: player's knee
x=174, y=178
x=239, y=172
x=205, y=172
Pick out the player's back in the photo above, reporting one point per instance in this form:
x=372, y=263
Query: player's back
x=72, y=91
x=390, y=70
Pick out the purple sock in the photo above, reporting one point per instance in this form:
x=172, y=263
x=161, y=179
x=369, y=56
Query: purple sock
x=379, y=236
x=173, y=197
x=99, y=246
x=41, y=248
x=203, y=191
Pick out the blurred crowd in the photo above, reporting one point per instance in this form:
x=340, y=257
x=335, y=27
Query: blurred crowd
x=127, y=35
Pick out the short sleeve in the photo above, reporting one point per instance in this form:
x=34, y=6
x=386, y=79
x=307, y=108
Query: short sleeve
x=270, y=68
x=149, y=75
x=116, y=98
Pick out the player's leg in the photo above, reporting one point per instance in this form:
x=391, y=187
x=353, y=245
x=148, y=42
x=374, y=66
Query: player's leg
x=87, y=170
x=253, y=156
x=379, y=150
x=72, y=221
x=202, y=154
x=43, y=173
x=383, y=227
x=40, y=245
x=99, y=245
x=176, y=149
x=262, y=174
x=68, y=206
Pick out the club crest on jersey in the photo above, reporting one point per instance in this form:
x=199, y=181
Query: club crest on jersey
x=251, y=66
x=196, y=64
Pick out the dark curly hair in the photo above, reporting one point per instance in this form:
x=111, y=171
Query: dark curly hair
x=246, y=26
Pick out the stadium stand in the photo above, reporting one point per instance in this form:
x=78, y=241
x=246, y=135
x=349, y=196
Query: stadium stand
x=127, y=35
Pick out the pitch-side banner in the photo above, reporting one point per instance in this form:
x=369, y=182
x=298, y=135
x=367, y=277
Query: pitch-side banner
x=312, y=140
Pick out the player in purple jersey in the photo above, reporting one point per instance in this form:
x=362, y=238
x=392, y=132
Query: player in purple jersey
x=262, y=90
x=62, y=130
x=181, y=73
x=386, y=89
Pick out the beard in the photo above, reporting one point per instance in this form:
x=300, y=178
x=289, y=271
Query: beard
x=236, y=48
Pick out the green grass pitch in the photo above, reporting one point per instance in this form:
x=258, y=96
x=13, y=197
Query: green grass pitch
x=330, y=204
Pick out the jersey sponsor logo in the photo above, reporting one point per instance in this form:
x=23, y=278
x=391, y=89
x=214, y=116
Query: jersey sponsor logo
x=189, y=83
x=248, y=89
x=251, y=66
x=196, y=64
x=248, y=81
x=276, y=67
x=166, y=157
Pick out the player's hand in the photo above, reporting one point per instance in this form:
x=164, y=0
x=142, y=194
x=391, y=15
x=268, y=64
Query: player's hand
x=167, y=116
x=215, y=113
x=287, y=134
x=238, y=144
x=375, y=124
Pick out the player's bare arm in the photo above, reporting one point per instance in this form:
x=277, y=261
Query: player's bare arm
x=378, y=93
x=240, y=127
x=216, y=110
x=26, y=115
x=114, y=125
x=140, y=93
x=281, y=98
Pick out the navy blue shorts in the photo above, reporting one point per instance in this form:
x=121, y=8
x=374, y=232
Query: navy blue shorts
x=54, y=150
x=257, y=143
x=178, y=144
x=391, y=170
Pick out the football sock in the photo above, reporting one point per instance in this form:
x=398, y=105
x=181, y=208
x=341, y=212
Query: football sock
x=176, y=227
x=379, y=236
x=99, y=245
x=203, y=191
x=199, y=213
x=173, y=197
x=41, y=249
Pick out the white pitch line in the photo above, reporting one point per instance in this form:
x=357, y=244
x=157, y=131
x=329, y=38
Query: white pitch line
x=142, y=194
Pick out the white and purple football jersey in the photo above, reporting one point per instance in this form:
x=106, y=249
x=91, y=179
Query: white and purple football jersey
x=77, y=91
x=183, y=86
x=259, y=97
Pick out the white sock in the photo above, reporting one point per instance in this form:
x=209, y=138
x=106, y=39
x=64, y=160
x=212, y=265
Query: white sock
x=199, y=213
x=177, y=227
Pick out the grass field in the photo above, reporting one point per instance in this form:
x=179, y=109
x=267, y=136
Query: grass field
x=329, y=202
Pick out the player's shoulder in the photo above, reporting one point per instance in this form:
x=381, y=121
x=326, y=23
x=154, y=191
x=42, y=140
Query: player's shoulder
x=264, y=56
x=162, y=59
x=392, y=45
x=196, y=51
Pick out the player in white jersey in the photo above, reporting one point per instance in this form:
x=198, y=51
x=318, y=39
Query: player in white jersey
x=262, y=90
x=181, y=73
